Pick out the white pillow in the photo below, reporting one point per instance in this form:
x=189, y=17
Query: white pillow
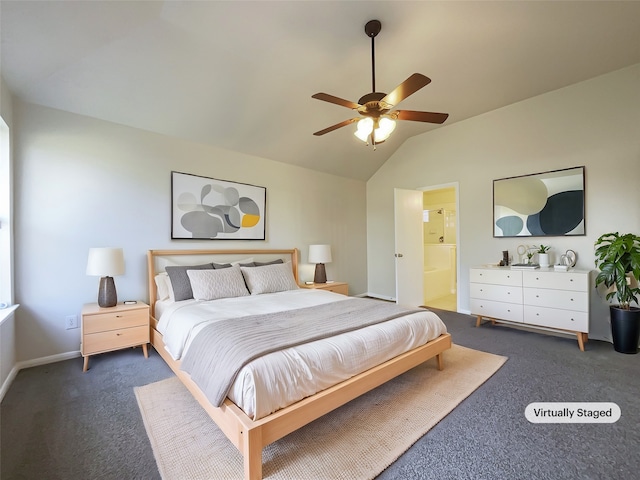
x=269, y=278
x=162, y=286
x=214, y=284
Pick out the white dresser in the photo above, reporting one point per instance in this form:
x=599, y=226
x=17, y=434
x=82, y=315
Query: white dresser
x=544, y=297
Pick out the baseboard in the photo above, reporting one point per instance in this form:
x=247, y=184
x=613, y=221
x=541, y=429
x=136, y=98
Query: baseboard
x=8, y=381
x=50, y=359
x=34, y=363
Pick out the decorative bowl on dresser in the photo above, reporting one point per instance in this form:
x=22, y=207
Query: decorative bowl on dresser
x=543, y=298
x=113, y=328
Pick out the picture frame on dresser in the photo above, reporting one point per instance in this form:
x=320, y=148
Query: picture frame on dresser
x=541, y=204
x=204, y=208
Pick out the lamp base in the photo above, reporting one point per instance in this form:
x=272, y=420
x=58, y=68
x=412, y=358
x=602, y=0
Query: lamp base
x=107, y=296
x=320, y=275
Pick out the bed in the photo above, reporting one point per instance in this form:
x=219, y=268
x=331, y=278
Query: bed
x=253, y=414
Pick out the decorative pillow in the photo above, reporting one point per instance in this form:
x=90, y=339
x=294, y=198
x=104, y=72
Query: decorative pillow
x=270, y=278
x=162, y=287
x=215, y=284
x=273, y=262
x=218, y=266
x=247, y=262
x=180, y=281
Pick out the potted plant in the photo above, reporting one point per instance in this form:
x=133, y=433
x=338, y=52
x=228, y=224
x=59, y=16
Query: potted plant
x=618, y=259
x=543, y=255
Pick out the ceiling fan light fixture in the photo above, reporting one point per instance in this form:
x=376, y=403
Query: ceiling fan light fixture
x=365, y=127
x=385, y=127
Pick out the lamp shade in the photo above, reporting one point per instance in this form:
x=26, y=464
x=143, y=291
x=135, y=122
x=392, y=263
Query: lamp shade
x=105, y=262
x=319, y=253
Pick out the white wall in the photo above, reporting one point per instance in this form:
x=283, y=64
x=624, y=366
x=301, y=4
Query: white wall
x=82, y=183
x=595, y=123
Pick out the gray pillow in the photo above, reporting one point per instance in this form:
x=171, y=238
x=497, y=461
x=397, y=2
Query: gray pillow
x=273, y=262
x=180, y=280
x=218, y=266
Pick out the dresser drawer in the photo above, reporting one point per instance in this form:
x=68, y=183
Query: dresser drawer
x=115, y=339
x=496, y=276
x=551, y=317
x=115, y=320
x=557, y=280
x=566, y=300
x=498, y=310
x=498, y=293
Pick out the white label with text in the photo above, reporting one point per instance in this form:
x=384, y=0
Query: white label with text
x=572, y=412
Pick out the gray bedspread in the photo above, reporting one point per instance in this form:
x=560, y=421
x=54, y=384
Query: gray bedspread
x=221, y=349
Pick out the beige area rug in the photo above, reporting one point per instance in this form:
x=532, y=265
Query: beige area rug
x=356, y=441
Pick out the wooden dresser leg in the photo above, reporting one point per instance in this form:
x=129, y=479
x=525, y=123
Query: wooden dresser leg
x=478, y=320
x=580, y=340
x=144, y=350
x=85, y=367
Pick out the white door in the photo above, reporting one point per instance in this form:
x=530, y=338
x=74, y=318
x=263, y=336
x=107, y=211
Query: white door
x=409, y=247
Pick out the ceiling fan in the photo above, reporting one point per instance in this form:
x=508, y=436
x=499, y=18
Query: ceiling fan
x=377, y=121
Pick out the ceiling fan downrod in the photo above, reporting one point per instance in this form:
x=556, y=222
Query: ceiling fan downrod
x=372, y=28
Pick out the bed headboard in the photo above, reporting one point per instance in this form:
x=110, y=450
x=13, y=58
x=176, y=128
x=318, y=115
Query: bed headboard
x=158, y=260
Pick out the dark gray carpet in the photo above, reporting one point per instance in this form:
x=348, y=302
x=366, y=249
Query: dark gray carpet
x=58, y=423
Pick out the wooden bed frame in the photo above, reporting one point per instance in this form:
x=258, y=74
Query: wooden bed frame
x=250, y=436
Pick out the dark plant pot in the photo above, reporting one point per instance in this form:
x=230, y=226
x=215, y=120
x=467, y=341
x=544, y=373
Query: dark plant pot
x=625, y=329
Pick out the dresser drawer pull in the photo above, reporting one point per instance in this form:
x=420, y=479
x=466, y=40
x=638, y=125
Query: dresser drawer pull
x=118, y=316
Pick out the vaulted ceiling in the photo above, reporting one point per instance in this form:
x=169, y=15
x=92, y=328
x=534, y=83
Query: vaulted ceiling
x=239, y=75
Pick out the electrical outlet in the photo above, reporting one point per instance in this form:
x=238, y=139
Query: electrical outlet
x=71, y=321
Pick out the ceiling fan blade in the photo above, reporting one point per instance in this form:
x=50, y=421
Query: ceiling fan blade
x=429, y=117
x=338, y=101
x=336, y=126
x=410, y=86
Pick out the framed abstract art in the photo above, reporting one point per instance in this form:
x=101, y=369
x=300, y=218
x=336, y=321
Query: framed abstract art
x=539, y=205
x=205, y=208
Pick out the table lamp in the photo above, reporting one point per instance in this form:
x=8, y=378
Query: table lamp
x=106, y=263
x=320, y=254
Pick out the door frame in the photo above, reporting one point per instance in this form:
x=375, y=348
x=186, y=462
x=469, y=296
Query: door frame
x=456, y=186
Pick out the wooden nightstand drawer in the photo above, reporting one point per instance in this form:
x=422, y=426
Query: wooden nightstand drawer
x=113, y=328
x=336, y=287
x=115, y=339
x=115, y=320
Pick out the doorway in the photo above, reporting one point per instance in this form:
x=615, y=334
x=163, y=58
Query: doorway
x=440, y=226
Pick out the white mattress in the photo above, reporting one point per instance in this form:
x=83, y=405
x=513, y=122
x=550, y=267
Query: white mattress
x=265, y=384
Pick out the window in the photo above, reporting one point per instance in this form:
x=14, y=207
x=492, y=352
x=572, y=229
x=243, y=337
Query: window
x=6, y=223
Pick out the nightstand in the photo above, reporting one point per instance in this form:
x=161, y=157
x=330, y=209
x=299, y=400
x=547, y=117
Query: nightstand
x=113, y=328
x=337, y=287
